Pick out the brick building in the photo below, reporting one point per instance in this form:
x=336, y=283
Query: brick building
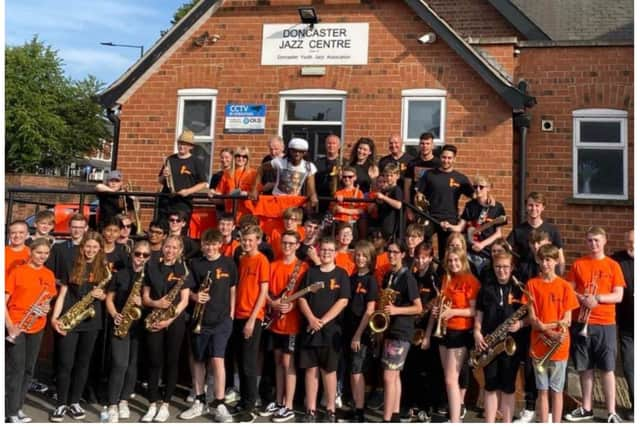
x=536, y=94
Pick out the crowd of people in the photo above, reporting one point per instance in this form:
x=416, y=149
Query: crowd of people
x=310, y=310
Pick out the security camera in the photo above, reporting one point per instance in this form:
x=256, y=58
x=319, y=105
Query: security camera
x=427, y=38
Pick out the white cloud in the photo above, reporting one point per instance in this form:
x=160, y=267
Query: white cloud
x=81, y=62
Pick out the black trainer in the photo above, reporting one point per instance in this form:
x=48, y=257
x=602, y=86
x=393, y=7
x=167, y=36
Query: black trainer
x=76, y=412
x=579, y=414
x=331, y=417
x=309, y=417
x=57, y=416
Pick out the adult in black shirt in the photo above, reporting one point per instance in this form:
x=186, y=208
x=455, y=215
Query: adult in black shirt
x=443, y=188
x=321, y=336
x=186, y=173
x=328, y=174
x=89, y=275
x=496, y=302
x=519, y=236
x=396, y=156
x=624, y=314
x=404, y=306
x=165, y=337
x=418, y=166
x=363, y=156
x=124, y=349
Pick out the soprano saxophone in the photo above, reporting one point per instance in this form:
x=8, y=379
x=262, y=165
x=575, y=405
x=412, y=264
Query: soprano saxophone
x=82, y=309
x=130, y=311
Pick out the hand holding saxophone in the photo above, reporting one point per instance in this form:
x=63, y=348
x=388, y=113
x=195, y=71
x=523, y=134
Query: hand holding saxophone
x=481, y=344
x=163, y=303
x=98, y=293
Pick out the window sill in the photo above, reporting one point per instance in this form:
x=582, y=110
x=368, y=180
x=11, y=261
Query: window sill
x=598, y=202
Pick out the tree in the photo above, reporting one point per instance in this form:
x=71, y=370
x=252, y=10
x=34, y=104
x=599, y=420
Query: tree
x=183, y=10
x=51, y=120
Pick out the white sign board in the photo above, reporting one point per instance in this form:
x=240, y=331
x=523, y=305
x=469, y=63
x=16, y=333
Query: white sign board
x=324, y=44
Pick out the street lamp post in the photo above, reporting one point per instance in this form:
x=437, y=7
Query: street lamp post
x=137, y=46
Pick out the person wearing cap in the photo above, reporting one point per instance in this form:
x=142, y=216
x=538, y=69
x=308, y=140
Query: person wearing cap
x=188, y=176
x=293, y=173
x=112, y=204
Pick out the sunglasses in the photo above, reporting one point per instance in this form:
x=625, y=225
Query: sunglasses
x=479, y=187
x=348, y=176
x=241, y=156
x=175, y=220
x=144, y=255
x=126, y=225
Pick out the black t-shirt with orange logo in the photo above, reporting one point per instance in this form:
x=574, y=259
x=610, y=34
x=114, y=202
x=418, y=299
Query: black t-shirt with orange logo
x=443, y=190
x=224, y=276
x=364, y=289
x=75, y=292
x=336, y=286
x=185, y=174
x=118, y=258
x=161, y=278
x=497, y=303
x=402, y=326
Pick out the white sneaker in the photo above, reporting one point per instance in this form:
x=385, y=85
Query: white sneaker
x=338, y=402
x=231, y=395
x=198, y=408
x=525, y=416
x=163, y=413
x=123, y=410
x=151, y=412
x=24, y=417
x=222, y=414
x=113, y=413
x=191, y=397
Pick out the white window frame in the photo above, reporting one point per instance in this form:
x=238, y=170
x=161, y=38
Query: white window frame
x=312, y=95
x=409, y=95
x=197, y=94
x=601, y=115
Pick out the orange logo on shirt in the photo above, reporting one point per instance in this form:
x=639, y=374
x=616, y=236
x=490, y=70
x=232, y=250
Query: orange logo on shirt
x=453, y=183
x=333, y=285
x=171, y=277
x=220, y=274
x=359, y=288
x=511, y=300
x=184, y=170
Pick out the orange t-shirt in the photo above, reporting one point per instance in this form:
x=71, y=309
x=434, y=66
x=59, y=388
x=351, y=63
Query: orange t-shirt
x=551, y=300
x=13, y=258
x=275, y=240
x=353, y=193
x=462, y=289
x=383, y=266
x=607, y=274
x=253, y=271
x=228, y=249
x=345, y=261
x=288, y=324
x=242, y=180
x=23, y=286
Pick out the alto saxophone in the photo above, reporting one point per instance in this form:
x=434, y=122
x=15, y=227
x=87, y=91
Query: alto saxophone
x=198, y=311
x=161, y=314
x=379, y=319
x=130, y=311
x=35, y=312
x=82, y=309
x=498, y=341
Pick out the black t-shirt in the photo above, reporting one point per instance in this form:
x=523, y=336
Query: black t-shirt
x=118, y=258
x=160, y=278
x=112, y=204
x=363, y=180
x=443, y=190
x=336, y=286
x=215, y=179
x=497, y=303
x=191, y=247
x=526, y=269
x=476, y=215
x=270, y=175
x=519, y=238
x=624, y=310
x=60, y=260
x=388, y=217
x=185, y=173
x=416, y=169
x=122, y=284
x=402, y=327
x=75, y=292
x=428, y=288
x=323, y=176
x=364, y=289
x=224, y=276
x=402, y=162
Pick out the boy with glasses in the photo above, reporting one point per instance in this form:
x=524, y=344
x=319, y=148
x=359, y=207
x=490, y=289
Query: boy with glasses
x=178, y=227
x=158, y=231
x=348, y=212
x=292, y=218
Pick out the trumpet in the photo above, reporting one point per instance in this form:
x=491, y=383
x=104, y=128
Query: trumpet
x=443, y=304
x=552, y=346
x=35, y=312
x=198, y=311
x=136, y=208
x=169, y=179
x=583, y=315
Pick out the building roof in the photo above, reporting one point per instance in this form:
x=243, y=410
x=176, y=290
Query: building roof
x=575, y=20
x=498, y=81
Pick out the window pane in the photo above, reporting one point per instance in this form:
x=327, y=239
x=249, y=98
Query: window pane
x=197, y=117
x=315, y=111
x=600, y=172
x=599, y=131
x=424, y=116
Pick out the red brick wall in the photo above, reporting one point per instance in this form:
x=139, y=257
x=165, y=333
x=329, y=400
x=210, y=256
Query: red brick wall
x=478, y=121
x=23, y=210
x=475, y=18
x=564, y=79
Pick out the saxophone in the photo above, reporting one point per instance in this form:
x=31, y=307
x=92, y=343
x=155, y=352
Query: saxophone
x=82, y=309
x=379, y=320
x=130, y=311
x=498, y=341
x=161, y=314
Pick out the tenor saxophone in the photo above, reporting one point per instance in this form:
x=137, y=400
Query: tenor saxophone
x=161, y=314
x=130, y=311
x=82, y=309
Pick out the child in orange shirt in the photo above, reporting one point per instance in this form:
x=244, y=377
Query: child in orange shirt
x=344, y=256
x=552, y=300
x=28, y=284
x=348, y=212
x=226, y=225
x=292, y=218
x=16, y=253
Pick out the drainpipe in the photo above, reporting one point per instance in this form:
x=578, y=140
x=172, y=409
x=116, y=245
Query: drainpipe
x=522, y=121
x=113, y=116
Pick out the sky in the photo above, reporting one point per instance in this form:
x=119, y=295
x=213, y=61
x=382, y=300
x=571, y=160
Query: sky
x=75, y=29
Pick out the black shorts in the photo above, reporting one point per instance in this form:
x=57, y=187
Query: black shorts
x=597, y=350
x=359, y=361
x=500, y=374
x=285, y=343
x=457, y=339
x=325, y=358
x=211, y=342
